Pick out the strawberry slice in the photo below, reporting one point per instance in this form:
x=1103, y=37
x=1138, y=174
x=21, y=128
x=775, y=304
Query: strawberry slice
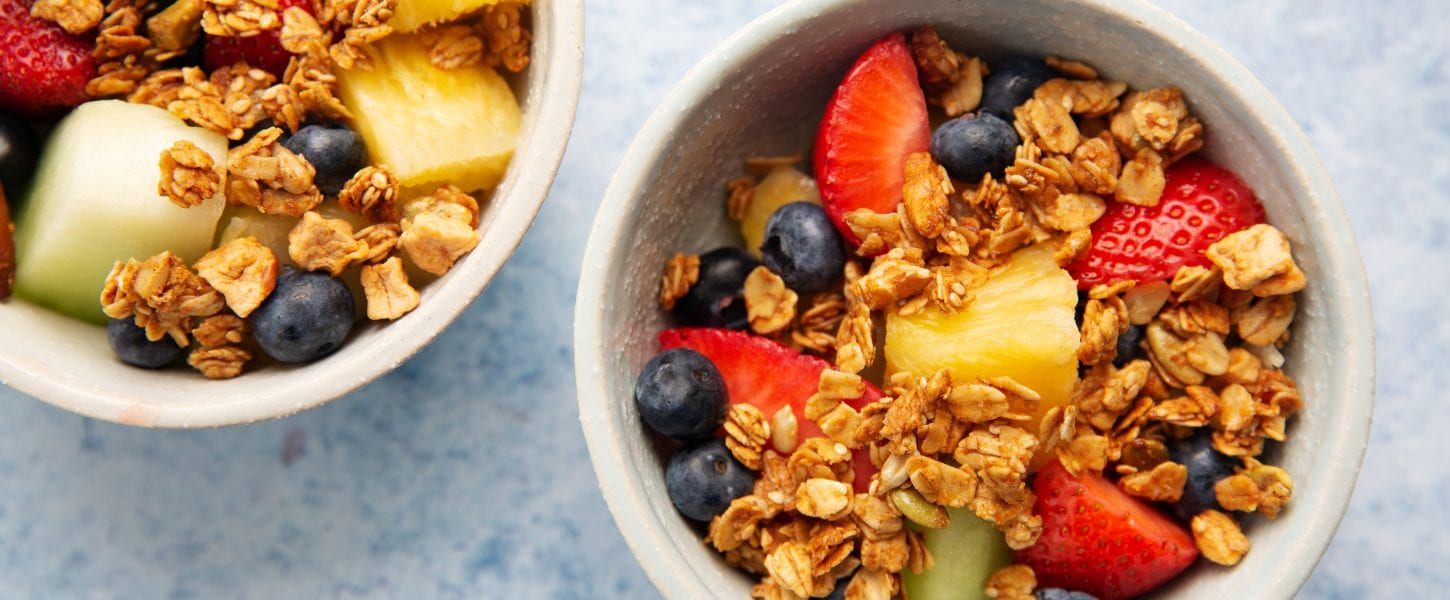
x=768, y=375
x=1098, y=539
x=1202, y=202
x=43, y=68
x=263, y=51
x=876, y=119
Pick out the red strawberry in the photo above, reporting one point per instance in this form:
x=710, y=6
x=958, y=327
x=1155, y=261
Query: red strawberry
x=1098, y=539
x=1202, y=202
x=876, y=119
x=768, y=375
x=43, y=69
x=263, y=51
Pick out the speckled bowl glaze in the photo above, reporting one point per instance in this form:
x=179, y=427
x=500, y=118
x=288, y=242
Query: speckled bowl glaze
x=69, y=364
x=763, y=91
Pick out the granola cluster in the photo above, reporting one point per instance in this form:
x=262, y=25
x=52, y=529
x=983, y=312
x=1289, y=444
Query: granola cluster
x=1209, y=358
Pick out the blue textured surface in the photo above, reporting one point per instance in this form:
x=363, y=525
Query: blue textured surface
x=463, y=474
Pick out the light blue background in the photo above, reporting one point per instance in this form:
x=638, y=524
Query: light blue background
x=464, y=473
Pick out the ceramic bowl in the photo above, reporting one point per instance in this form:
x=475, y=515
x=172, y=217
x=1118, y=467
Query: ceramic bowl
x=762, y=93
x=69, y=364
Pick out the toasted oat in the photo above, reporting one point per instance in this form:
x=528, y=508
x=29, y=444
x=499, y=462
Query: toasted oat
x=746, y=434
x=1103, y=321
x=681, y=272
x=823, y=499
x=1096, y=165
x=189, y=175
x=301, y=33
x=1073, y=246
x=224, y=362
x=868, y=584
x=1086, y=452
x=1012, y=582
x=738, y=524
x=1090, y=99
x=440, y=229
x=162, y=294
x=739, y=192
x=950, y=79
x=1237, y=493
x=389, y=295
x=220, y=330
x=311, y=78
x=815, y=329
x=243, y=270
x=320, y=244
x=940, y=483
x=1258, y=259
x=1163, y=483
x=1050, y=124
x=381, y=238
x=75, y=16
x=508, y=40
x=240, y=18
x=1219, y=538
x=453, y=46
x=123, y=57
x=769, y=305
x=889, y=553
x=1071, y=68
x=1274, y=483
x=1142, y=180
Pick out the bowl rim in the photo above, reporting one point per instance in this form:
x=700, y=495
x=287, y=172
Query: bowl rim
x=623, y=490
x=554, y=86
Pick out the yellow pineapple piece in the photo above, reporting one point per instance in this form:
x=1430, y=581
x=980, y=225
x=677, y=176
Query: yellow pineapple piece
x=783, y=185
x=432, y=126
x=412, y=15
x=1019, y=324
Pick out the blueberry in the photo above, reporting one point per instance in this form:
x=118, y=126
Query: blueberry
x=680, y=394
x=718, y=298
x=703, y=478
x=306, y=318
x=1206, y=467
x=19, y=152
x=131, y=346
x=1128, y=345
x=335, y=151
x=803, y=247
x=1011, y=83
x=1062, y=594
x=972, y=146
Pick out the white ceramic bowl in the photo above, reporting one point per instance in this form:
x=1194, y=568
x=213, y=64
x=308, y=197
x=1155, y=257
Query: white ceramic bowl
x=762, y=92
x=69, y=364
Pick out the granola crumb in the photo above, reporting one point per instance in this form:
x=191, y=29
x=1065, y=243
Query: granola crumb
x=508, y=40
x=320, y=244
x=162, y=295
x=453, y=46
x=389, y=295
x=189, y=176
x=739, y=192
x=373, y=191
x=74, y=16
x=439, y=229
x=1219, y=537
x=681, y=272
x=746, y=433
x=223, y=362
x=769, y=304
x=243, y=270
x=1012, y=582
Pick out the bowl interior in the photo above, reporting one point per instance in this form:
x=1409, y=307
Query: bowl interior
x=762, y=93
x=68, y=363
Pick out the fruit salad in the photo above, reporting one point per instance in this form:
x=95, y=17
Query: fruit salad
x=1006, y=334
x=222, y=180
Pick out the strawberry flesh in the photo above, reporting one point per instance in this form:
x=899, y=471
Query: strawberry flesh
x=262, y=51
x=1098, y=539
x=1202, y=202
x=43, y=68
x=876, y=119
x=765, y=374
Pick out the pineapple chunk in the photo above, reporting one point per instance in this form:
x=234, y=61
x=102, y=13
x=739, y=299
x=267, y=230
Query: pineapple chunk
x=432, y=126
x=412, y=15
x=783, y=185
x=1019, y=324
